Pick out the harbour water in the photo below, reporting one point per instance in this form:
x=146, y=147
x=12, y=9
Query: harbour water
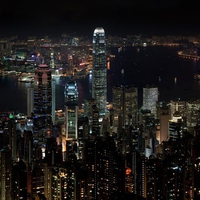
x=152, y=65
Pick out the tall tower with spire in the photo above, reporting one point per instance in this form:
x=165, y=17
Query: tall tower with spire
x=99, y=70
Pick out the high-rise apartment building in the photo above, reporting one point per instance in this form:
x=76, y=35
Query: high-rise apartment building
x=5, y=174
x=105, y=169
x=99, y=70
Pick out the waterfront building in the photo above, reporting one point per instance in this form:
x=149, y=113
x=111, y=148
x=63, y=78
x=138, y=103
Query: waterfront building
x=99, y=70
x=125, y=104
x=150, y=98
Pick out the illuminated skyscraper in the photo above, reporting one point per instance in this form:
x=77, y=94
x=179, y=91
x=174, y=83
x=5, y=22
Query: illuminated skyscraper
x=125, y=104
x=71, y=109
x=150, y=98
x=99, y=71
x=42, y=103
x=71, y=114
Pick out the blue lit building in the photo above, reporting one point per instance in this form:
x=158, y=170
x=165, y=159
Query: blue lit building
x=99, y=70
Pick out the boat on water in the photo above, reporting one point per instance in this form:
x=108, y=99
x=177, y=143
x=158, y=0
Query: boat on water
x=26, y=78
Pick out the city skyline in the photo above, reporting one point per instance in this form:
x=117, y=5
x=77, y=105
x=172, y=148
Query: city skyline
x=147, y=151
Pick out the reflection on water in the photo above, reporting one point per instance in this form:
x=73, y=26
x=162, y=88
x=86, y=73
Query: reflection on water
x=159, y=68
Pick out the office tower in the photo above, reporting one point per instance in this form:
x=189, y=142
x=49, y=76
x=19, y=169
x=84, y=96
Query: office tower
x=192, y=113
x=71, y=117
x=30, y=102
x=177, y=105
x=163, y=114
x=99, y=70
x=88, y=111
x=125, y=104
x=150, y=98
x=175, y=127
x=162, y=133
x=42, y=116
x=71, y=109
x=95, y=121
x=53, y=108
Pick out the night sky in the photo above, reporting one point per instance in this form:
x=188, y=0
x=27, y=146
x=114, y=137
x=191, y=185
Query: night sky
x=118, y=17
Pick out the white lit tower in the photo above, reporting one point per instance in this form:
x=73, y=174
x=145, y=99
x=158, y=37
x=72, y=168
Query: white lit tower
x=150, y=98
x=99, y=70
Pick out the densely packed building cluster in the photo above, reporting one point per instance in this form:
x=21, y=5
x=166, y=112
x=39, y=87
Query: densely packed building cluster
x=105, y=152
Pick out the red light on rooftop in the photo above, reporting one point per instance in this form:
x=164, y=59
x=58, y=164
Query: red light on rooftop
x=128, y=171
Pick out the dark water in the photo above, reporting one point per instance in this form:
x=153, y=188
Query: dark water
x=158, y=66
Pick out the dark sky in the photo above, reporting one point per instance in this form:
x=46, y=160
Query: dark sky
x=117, y=17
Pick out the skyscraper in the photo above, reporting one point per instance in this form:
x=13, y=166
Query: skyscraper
x=42, y=103
x=71, y=117
x=150, y=98
x=99, y=71
x=71, y=109
x=30, y=102
x=125, y=104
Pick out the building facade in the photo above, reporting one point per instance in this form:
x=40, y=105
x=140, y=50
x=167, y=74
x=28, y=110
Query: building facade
x=125, y=104
x=99, y=70
x=42, y=114
x=150, y=98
